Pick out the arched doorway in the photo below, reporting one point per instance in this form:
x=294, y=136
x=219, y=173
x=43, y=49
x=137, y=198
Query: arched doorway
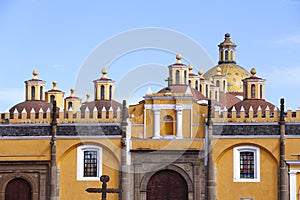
x=167, y=185
x=18, y=189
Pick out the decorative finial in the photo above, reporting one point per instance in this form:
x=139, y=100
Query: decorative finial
x=104, y=72
x=227, y=35
x=200, y=72
x=35, y=74
x=54, y=85
x=219, y=71
x=87, y=97
x=253, y=72
x=72, y=92
x=191, y=67
x=178, y=58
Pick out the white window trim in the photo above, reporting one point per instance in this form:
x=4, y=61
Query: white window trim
x=236, y=163
x=80, y=162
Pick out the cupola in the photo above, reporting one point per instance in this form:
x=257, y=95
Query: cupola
x=254, y=86
x=104, y=87
x=55, y=95
x=72, y=102
x=35, y=88
x=179, y=72
x=227, y=50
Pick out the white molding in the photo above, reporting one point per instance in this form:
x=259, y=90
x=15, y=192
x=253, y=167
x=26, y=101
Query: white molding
x=246, y=136
x=245, y=123
x=293, y=182
x=80, y=162
x=293, y=162
x=236, y=163
x=167, y=106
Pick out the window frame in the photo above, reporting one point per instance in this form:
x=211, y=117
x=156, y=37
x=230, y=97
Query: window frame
x=80, y=162
x=236, y=163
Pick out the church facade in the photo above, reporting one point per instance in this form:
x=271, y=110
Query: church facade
x=209, y=135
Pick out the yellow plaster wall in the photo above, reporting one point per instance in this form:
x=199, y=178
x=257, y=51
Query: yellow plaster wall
x=265, y=189
x=167, y=144
x=22, y=149
x=75, y=190
x=292, y=147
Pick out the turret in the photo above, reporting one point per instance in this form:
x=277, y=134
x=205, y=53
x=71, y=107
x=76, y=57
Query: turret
x=35, y=88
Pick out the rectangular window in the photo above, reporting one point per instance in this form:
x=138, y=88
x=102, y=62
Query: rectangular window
x=89, y=162
x=246, y=164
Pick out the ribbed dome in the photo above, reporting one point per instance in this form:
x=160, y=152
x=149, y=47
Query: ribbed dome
x=234, y=75
x=32, y=104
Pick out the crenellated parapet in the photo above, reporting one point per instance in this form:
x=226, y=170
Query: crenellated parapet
x=82, y=116
x=259, y=115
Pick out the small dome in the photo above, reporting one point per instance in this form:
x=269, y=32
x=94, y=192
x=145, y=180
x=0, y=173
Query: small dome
x=29, y=105
x=255, y=104
x=99, y=104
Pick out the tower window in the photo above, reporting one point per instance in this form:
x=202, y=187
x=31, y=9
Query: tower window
x=185, y=77
x=196, y=85
x=52, y=98
x=110, y=92
x=216, y=95
x=200, y=89
x=177, y=77
x=261, y=91
x=102, y=92
x=226, y=55
x=224, y=86
x=32, y=93
x=231, y=55
x=70, y=105
x=218, y=83
x=206, y=92
x=252, y=91
x=41, y=93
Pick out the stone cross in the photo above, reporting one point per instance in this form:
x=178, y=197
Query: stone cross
x=169, y=83
x=104, y=190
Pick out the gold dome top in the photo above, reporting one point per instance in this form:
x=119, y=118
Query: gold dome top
x=104, y=71
x=234, y=75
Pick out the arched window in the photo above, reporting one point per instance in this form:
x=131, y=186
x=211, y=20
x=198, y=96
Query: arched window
x=177, y=77
x=231, y=55
x=224, y=86
x=226, y=55
x=168, y=125
x=245, y=91
x=52, y=98
x=190, y=82
x=196, y=85
x=41, y=93
x=218, y=83
x=32, y=93
x=261, y=91
x=206, y=92
x=102, y=92
x=253, y=91
x=185, y=77
x=216, y=95
x=110, y=92
x=70, y=105
x=200, y=89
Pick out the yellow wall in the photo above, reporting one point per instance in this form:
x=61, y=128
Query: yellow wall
x=229, y=190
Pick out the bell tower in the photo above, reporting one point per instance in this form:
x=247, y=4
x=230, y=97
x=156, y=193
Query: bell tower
x=227, y=50
x=179, y=72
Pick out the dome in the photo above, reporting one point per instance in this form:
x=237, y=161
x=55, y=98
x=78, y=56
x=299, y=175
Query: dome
x=254, y=103
x=29, y=105
x=234, y=75
x=99, y=104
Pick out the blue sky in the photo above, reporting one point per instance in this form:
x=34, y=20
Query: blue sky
x=56, y=37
